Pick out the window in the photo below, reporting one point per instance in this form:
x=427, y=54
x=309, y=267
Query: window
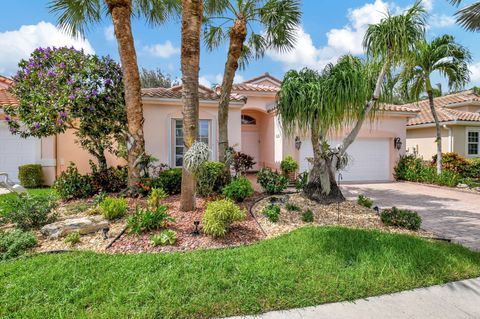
x=203, y=134
x=248, y=120
x=473, y=143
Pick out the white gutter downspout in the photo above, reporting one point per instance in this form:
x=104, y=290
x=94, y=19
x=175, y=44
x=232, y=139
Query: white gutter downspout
x=450, y=138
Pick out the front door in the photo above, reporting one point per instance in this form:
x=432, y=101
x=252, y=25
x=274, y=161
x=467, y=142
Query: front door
x=251, y=146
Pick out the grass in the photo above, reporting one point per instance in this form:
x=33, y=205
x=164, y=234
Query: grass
x=32, y=191
x=307, y=267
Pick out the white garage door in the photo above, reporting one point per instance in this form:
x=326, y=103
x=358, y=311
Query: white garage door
x=369, y=160
x=15, y=151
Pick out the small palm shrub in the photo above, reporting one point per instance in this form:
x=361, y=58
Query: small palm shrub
x=401, y=218
x=30, y=211
x=288, y=165
x=30, y=175
x=170, y=180
x=196, y=155
x=211, y=177
x=301, y=181
x=238, y=189
x=155, y=197
x=166, y=237
x=292, y=207
x=73, y=238
x=219, y=216
x=364, y=201
x=272, y=212
x=272, y=182
x=145, y=220
x=307, y=216
x=71, y=184
x=15, y=243
x=113, y=208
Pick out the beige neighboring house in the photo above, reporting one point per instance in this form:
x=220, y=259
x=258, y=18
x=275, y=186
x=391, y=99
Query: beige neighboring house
x=254, y=128
x=459, y=116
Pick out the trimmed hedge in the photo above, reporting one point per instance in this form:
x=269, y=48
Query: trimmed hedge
x=401, y=218
x=30, y=175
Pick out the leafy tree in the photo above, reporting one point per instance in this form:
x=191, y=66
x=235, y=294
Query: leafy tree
x=63, y=88
x=278, y=18
x=156, y=78
x=468, y=17
x=76, y=16
x=444, y=56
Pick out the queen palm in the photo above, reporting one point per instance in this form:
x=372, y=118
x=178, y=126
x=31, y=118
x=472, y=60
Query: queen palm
x=278, y=18
x=76, y=16
x=444, y=56
x=469, y=17
x=344, y=95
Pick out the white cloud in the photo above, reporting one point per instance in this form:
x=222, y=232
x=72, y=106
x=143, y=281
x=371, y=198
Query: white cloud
x=475, y=75
x=428, y=4
x=109, y=33
x=19, y=44
x=160, y=50
x=440, y=21
x=212, y=79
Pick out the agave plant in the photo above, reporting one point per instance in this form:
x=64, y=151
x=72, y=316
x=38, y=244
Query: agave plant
x=196, y=155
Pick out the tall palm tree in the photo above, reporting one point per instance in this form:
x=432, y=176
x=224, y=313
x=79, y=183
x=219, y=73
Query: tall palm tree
x=444, y=56
x=469, y=17
x=278, y=18
x=192, y=13
x=76, y=16
x=344, y=95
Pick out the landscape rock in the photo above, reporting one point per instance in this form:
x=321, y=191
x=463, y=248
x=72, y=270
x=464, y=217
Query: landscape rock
x=462, y=186
x=83, y=225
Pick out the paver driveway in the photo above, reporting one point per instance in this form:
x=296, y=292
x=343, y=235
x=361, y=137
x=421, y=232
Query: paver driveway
x=447, y=213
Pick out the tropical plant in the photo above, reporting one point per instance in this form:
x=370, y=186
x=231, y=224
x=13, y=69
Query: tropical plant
x=219, y=216
x=195, y=156
x=364, y=201
x=468, y=17
x=113, y=208
x=272, y=182
x=73, y=238
x=272, y=212
x=29, y=211
x=279, y=20
x=344, y=95
x=155, y=197
x=292, y=207
x=72, y=91
x=71, y=184
x=288, y=165
x=307, y=216
x=155, y=79
x=401, y=218
x=145, y=220
x=241, y=163
x=210, y=177
x=443, y=56
x=14, y=243
x=76, y=16
x=238, y=189
x=166, y=237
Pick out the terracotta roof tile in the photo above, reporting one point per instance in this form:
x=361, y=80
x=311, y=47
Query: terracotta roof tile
x=398, y=108
x=176, y=93
x=263, y=76
x=7, y=98
x=6, y=81
x=255, y=87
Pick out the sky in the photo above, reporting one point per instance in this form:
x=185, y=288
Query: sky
x=329, y=29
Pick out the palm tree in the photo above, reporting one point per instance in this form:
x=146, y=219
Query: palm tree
x=341, y=96
x=444, y=56
x=278, y=18
x=76, y=16
x=469, y=17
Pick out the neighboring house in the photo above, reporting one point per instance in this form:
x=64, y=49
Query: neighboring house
x=459, y=116
x=254, y=128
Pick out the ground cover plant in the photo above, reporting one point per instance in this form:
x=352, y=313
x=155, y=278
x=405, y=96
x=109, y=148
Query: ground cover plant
x=15, y=243
x=272, y=212
x=4, y=198
x=307, y=267
x=220, y=215
x=401, y=218
x=364, y=201
x=113, y=208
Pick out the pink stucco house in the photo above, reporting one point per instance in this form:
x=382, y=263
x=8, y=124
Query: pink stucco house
x=254, y=128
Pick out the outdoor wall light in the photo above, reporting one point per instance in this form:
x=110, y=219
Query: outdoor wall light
x=298, y=143
x=397, y=143
x=196, y=231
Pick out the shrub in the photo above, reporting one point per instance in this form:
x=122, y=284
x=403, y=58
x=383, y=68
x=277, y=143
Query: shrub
x=71, y=184
x=156, y=195
x=272, y=212
x=15, y=243
x=238, y=189
x=113, y=208
x=145, y=220
x=100, y=197
x=271, y=182
x=170, y=180
x=301, y=181
x=307, y=216
x=452, y=162
x=408, y=168
x=242, y=163
x=365, y=201
x=292, y=207
x=31, y=175
x=166, y=237
x=401, y=218
x=30, y=211
x=288, y=165
x=72, y=238
x=211, y=177
x=110, y=180
x=219, y=216
x=473, y=170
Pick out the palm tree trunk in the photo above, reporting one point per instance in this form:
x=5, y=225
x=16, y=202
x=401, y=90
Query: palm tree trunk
x=190, y=60
x=121, y=11
x=438, y=140
x=238, y=33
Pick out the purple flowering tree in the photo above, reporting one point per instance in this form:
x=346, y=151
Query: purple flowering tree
x=62, y=88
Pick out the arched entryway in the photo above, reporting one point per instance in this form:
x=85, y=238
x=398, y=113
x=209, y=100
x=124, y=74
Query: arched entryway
x=258, y=137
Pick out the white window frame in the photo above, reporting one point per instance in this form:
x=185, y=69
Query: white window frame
x=469, y=130
x=173, y=145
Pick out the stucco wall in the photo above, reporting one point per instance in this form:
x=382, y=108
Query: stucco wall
x=423, y=140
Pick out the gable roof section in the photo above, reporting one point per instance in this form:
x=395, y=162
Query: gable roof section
x=264, y=79
x=175, y=92
x=5, y=82
x=7, y=98
x=264, y=83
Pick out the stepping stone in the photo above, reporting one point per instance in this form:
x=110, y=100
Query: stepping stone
x=83, y=225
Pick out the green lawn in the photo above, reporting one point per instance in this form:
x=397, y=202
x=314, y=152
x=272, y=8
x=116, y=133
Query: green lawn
x=33, y=191
x=307, y=267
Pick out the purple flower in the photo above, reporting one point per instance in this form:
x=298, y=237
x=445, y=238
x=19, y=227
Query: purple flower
x=63, y=115
x=72, y=97
x=37, y=126
x=51, y=73
x=62, y=65
x=69, y=82
x=60, y=121
x=7, y=118
x=91, y=108
x=13, y=130
x=94, y=93
x=108, y=81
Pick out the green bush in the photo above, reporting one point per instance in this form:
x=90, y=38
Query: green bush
x=110, y=180
x=30, y=175
x=170, y=180
x=365, y=201
x=155, y=197
x=30, y=211
x=292, y=207
x=272, y=212
x=271, y=182
x=145, y=220
x=288, y=165
x=452, y=162
x=238, y=189
x=15, y=243
x=113, y=208
x=211, y=177
x=401, y=218
x=307, y=216
x=72, y=238
x=408, y=168
x=71, y=184
x=219, y=216
x=301, y=181
x=166, y=237
x=473, y=170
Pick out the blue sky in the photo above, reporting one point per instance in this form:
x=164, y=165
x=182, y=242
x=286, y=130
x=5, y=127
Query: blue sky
x=329, y=29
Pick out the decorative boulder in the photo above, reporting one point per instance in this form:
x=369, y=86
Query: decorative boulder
x=83, y=225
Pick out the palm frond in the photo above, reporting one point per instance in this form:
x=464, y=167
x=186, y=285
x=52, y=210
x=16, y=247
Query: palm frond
x=76, y=16
x=469, y=17
x=157, y=12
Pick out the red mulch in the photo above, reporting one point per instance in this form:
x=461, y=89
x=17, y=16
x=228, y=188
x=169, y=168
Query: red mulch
x=241, y=233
